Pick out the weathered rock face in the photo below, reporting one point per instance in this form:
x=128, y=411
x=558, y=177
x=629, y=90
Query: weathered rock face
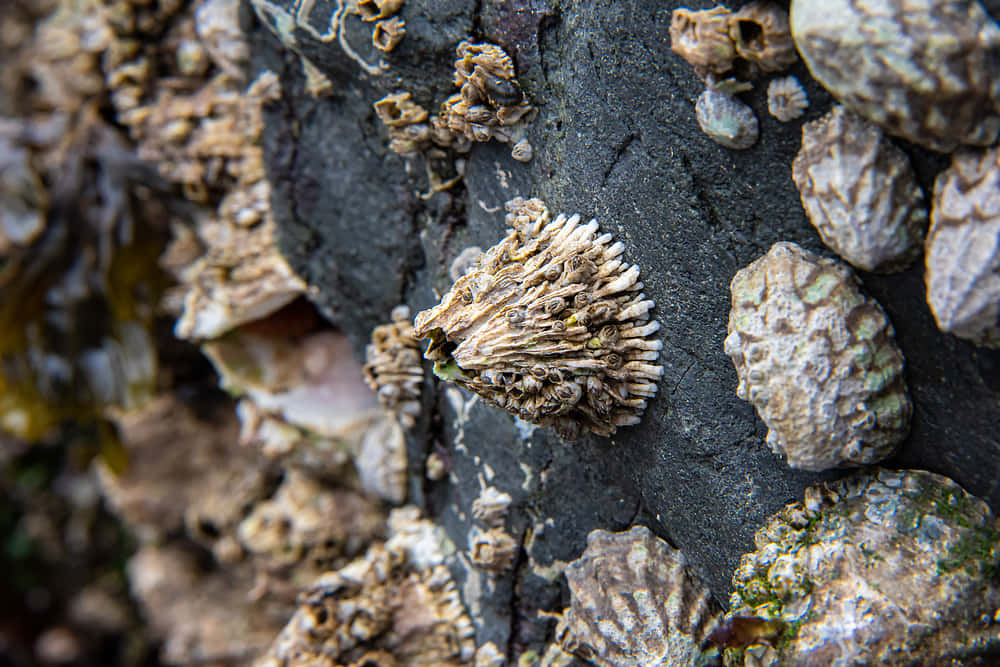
x=616, y=139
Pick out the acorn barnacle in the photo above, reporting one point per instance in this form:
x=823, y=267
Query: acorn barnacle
x=550, y=324
x=634, y=603
x=860, y=192
x=882, y=568
x=702, y=39
x=393, y=366
x=762, y=37
x=817, y=359
x=963, y=248
x=925, y=70
x=786, y=99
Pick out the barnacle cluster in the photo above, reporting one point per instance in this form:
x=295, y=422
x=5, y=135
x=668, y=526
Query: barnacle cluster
x=551, y=325
x=887, y=568
x=963, y=248
x=860, y=192
x=927, y=71
x=393, y=369
x=398, y=600
x=635, y=603
x=817, y=359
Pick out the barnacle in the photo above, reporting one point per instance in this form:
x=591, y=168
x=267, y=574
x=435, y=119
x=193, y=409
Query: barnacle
x=963, y=248
x=786, y=99
x=761, y=36
x=393, y=368
x=726, y=120
x=925, y=70
x=374, y=10
x=702, y=39
x=882, y=568
x=388, y=33
x=550, y=325
x=860, y=192
x=491, y=507
x=493, y=549
x=817, y=359
x=218, y=26
x=634, y=603
x=522, y=151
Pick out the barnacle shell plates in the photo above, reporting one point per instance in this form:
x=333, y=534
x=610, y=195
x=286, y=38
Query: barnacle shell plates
x=551, y=325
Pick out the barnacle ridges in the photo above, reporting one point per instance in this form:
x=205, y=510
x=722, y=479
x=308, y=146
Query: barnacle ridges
x=551, y=325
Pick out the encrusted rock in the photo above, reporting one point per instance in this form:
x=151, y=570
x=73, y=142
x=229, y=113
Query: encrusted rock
x=726, y=120
x=634, y=604
x=393, y=367
x=550, y=325
x=963, y=248
x=884, y=568
x=399, y=601
x=860, y=192
x=817, y=359
x=761, y=36
x=786, y=99
x=928, y=71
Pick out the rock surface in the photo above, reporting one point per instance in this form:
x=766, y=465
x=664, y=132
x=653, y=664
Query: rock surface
x=616, y=139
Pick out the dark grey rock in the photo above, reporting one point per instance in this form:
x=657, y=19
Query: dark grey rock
x=615, y=139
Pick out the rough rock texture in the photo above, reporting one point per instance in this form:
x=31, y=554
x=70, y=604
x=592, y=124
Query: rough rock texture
x=616, y=139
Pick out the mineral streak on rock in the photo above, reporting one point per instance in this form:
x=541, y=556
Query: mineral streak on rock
x=550, y=325
x=928, y=71
x=860, y=192
x=886, y=568
x=817, y=359
x=634, y=604
x=393, y=368
x=963, y=248
x=786, y=99
x=398, y=602
x=726, y=120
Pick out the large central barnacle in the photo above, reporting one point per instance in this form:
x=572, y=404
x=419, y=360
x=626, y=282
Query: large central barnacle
x=551, y=325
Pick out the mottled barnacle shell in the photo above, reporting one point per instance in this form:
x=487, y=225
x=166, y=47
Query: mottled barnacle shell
x=963, y=248
x=493, y=549
x=388, y=34
x=925, y=70
x=702, y=39
x=786, y=99
x=761, y=36
x=860, y=192
x=374, y=10
x=397, y=110
x=726, y=120
x=551, y=325
x=817, y=359
x=393, y=368
x=634, y=604
x=883, y=568
x=522, y=151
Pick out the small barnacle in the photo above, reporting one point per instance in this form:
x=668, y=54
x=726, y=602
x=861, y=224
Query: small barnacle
x=392, y=366
x=492, y=550
x=761, y=36
x=726, y=120
x=817, y=359
x=549, y=364
x=882, y=568
x=464, y=262
x=522, y=151
x=860, y=192
x=218, y=26
x=963, y=248
x=491, y=507
x=925, y=70
x=702, y=39
x=786, y=98
x=388, y=34
x=374, y=10
x=397, y=110
x=634, y=603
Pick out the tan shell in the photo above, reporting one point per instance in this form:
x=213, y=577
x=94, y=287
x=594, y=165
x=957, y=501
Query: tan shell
x=702, y=39
x=634, y=604
x=493, y=549
x=393, y=368
x=388, y=34
x=786, y=99
x=963, y=248
x=925, y=70
x=373, y=10
x=761, y=36
x=726, y=120
x=817, y=359
x=883, y=568
x=551, y=325
x=860, y=192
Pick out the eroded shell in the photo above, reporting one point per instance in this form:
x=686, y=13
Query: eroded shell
x=883, y=568
x=860, y=192
x=786, y=99
x=634, y=604
x=550, y=325
x=928, y=71
x=963, y=248
x=393, y=368
x=726, y=120
x=817, y=359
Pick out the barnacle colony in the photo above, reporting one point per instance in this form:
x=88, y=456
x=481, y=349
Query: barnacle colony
x=551, y=325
